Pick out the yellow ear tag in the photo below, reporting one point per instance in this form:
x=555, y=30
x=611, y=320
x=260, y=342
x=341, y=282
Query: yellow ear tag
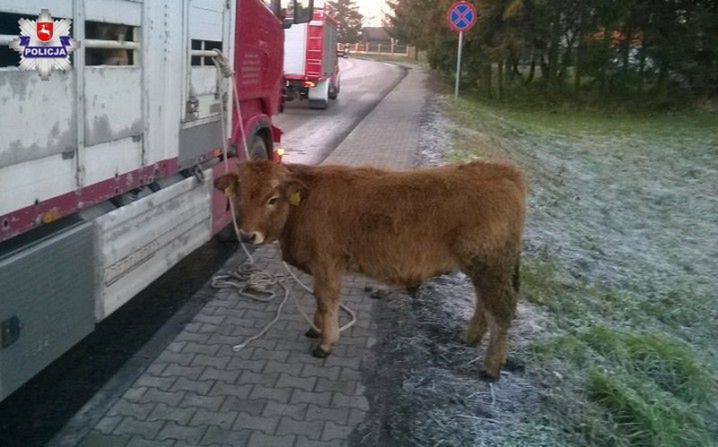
x=229, y=191
x=295, y=198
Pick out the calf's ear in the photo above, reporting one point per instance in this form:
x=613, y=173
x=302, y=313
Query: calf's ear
x=227, y=183
x=295, y=191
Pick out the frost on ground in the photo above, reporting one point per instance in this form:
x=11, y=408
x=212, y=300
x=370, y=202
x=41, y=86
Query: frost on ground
x=424, y=386
x=644, y=219
x=633, y=212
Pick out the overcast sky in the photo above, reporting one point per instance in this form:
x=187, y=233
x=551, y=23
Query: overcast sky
x=372, y=10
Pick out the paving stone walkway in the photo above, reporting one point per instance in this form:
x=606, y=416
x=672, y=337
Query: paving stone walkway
x=199, y=392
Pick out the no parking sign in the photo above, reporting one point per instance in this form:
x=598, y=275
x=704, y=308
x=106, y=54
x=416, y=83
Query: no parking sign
x=462, y=17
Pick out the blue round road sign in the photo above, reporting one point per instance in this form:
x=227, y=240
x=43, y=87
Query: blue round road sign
x=462, y=16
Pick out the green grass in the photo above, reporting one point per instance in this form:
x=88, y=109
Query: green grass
x=644, y=415
x=617, y=386
x=618, y=368
x=568, y=121
x=668, y=364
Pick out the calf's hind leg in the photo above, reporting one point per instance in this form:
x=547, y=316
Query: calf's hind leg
x=498, y=299
x=478, y=325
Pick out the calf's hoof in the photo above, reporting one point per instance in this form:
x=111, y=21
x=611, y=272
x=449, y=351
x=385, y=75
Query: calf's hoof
x=312, y=333
x=320, y=353
x=376, y=294
x=488, y=376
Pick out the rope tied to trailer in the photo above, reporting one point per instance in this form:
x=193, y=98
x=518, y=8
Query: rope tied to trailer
x=222, y=63
x=248, y=280
x=224, y=70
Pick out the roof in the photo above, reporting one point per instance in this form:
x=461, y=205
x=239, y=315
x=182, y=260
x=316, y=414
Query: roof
x=375, y=34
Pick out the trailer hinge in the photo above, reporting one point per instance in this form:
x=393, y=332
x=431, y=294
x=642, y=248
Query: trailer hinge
x=80, y=175
x=192, y=108
x=198, y=174
x=10, y=330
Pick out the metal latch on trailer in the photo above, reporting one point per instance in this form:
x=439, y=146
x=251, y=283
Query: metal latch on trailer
x=10, y=330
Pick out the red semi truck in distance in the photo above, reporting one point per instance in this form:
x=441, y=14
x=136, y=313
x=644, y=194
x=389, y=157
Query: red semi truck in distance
x=106, y=170
x=311, y=66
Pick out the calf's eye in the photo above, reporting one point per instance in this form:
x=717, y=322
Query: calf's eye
x=273, y=201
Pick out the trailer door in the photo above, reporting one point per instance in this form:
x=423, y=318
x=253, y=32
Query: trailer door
x=209, y=27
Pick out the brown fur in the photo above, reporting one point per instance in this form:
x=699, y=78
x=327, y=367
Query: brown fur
x=107, y=31
x=397, y=227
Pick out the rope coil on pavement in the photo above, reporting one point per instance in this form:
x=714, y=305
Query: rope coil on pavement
x=248, y=280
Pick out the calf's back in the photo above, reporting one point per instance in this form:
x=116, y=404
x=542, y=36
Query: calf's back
x=403, y=227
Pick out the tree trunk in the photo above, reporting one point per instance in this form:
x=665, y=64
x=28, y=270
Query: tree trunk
x=566, y=60
x=662, y=87
x=602, y=71
x=500, y=79
x=487, y=80
x=626, y=47
x=580, y=46
x=642, y=68
x=532, y=69
x=579, y=67
x=553, y=51
x=515, y=69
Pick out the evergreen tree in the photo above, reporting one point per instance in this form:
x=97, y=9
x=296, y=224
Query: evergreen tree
x=350, y=20
x=662, y=50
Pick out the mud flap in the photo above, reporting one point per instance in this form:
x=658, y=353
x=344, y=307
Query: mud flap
x=319, y=95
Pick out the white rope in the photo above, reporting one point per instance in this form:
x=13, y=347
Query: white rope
x=352, y=315
x=224, y=70
x=248, y=281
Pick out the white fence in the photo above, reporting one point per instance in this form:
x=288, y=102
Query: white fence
x=377, y=48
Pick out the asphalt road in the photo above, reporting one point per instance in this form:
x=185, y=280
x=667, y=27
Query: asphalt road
x=134, y=335
x=310, y=135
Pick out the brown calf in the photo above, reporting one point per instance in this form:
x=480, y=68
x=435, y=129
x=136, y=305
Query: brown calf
x=397, y=227
x=107, y=31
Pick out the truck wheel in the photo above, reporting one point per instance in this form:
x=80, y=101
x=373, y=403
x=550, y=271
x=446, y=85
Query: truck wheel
x=318, y=103
x=334, y=88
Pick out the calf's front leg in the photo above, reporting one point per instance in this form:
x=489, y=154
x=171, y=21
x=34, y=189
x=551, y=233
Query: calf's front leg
x=327, y=289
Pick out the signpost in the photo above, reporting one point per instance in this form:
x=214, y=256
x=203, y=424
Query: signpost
x=461, y=17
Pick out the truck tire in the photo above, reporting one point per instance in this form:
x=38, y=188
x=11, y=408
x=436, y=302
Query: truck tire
x=334, y=88
x=318, y=103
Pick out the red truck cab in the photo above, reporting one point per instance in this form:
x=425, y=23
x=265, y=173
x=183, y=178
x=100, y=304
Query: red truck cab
x=311, y=66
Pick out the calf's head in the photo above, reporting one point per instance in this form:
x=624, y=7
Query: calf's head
x=262, y=193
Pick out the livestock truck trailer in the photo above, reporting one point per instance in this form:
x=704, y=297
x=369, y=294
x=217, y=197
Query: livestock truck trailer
x=106, y=169
x=311, y=66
